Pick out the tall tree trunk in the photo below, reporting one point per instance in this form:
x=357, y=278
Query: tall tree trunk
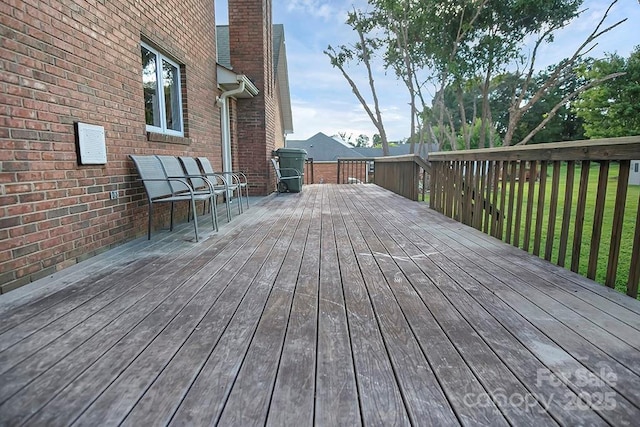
x=466, y=135
x=485, y=103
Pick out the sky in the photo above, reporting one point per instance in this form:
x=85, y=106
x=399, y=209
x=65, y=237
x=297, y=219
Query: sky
x=321, y=99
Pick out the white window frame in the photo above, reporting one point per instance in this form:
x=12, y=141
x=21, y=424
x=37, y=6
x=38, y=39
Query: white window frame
x=161, y=101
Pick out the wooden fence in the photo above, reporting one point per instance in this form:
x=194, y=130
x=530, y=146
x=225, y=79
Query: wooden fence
x=515, y=194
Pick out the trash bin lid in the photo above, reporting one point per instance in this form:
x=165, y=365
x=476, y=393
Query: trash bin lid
x=290, y=152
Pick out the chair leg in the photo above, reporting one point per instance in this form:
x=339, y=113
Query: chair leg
x=246, y=193
x=214, y=213
x=149, y=224
x=227, y=202
x=240, y=207
x=171, y=223
x=195, y=218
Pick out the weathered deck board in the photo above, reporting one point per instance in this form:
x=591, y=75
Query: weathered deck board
x=381, y=401
x=339, y=305
x=551, y=356
x=489, y=370
x=292, y=402
x=337, y=399
x=487, y=325
x=423, y=397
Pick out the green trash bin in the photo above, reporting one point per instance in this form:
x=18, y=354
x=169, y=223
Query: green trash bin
x=292, y=158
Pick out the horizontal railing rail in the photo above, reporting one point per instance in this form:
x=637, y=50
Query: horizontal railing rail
x=569, y=202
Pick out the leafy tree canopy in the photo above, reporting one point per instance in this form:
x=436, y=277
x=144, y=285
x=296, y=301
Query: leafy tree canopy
x=613, y=108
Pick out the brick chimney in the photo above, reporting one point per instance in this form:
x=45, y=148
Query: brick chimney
x=251, y=53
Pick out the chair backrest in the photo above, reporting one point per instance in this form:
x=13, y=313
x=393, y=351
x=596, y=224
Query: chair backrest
x=191, y=167
x=205, y=164
x=149, y=167
x=276, y=166
x=173, y=169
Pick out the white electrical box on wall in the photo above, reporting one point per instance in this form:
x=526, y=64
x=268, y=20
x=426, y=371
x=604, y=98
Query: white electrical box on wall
x=92, y=147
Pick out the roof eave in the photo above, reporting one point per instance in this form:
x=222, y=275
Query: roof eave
x=228, y=80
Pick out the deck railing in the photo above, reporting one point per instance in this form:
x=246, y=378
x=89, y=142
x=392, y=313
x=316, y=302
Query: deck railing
x=532, y=198
x=356, y=170
x=308, y=171
x=406, y=175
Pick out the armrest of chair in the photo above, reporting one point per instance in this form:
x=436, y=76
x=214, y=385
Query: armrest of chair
x=212, y=187
x=239, y=177
x=225, y=183
x=172, y=179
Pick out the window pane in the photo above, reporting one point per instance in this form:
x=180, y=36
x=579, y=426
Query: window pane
x=150, y=84
x=171, y=81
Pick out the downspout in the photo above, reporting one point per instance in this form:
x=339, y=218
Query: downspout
x=227, y=165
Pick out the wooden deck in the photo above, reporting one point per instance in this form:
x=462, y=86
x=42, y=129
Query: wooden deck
x=341, y=305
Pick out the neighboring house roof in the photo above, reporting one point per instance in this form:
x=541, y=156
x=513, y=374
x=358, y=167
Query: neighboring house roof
x=279, y=68
x=323, y=148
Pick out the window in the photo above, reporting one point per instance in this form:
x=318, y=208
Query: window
x=162, y=100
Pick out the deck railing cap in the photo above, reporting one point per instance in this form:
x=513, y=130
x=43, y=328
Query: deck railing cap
x=622, y=148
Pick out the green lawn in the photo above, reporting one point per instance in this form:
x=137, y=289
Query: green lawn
x=628, y=225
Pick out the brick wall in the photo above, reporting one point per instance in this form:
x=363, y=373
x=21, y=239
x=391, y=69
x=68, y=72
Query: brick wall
x=67, y=61
x=251, y=45
x=324, y=172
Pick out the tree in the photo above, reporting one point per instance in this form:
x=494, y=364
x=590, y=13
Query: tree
x=344, y=136
x=422, y=38
x=521, y=104
x=361, y=52
x=453, y=47
x=612, y=108
x=564, y=126
x=362, y=141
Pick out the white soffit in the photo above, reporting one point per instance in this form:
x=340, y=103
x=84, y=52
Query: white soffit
x=228, y=80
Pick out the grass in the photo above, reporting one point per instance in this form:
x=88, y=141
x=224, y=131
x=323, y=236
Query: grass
x=631, y=207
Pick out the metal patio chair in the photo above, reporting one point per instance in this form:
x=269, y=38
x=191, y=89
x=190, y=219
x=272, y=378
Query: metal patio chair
x=237, y=178
x=283, y=185
x=190, y=166
x=161, y=188
x=198, y=183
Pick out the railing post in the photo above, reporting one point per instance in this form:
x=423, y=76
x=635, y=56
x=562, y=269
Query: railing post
x=634, y=269
x=618, y=217
x=596, y=232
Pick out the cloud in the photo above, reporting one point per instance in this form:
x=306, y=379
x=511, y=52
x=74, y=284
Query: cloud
x=345, y=114
x=314, y=8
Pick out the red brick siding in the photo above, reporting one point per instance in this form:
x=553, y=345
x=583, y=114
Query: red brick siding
x=327, y=173
x=324, y=173
x=69, y=61
x=251, y=44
